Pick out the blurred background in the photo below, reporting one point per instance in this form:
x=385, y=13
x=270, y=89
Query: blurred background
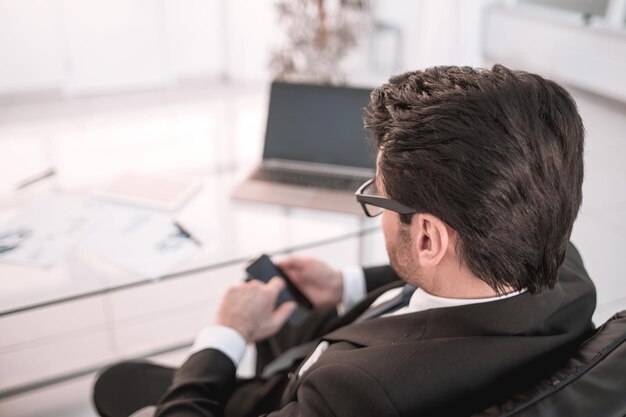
x=70, y=48
x=91, y=90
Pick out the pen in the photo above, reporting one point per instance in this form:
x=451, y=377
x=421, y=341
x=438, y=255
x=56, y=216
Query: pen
x=30, y=181
x=187, y=234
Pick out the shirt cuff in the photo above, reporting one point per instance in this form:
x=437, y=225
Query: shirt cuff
x=222, y=338
x=354, y=289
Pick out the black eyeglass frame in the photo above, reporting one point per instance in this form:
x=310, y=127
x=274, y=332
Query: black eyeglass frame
x=379, y=201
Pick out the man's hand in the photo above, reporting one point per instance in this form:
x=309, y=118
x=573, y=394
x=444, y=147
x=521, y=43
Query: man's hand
x=319, y=282
x=249, y=308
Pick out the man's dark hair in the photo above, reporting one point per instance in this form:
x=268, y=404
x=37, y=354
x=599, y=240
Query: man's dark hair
x=496, y=154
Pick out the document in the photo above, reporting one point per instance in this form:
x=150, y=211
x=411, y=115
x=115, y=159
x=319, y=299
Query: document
x=44, y=232
x=140, y=240
x=154, y=192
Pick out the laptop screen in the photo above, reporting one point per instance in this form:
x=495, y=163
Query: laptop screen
x=318, y=123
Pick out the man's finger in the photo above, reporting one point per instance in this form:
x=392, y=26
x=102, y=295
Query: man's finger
x=282, y=313
x=288, y=264
x=276, y=285
x=295, y=262
x=285, y=263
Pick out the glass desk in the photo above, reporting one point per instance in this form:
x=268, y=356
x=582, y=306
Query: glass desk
x=83, y=312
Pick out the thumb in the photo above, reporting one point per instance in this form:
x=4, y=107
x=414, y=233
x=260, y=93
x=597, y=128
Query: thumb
x=282, y=313
x=285, y=263
x=291, y=263
x=276, y=285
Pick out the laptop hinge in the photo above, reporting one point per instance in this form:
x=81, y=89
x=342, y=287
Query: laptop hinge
x=315, y=167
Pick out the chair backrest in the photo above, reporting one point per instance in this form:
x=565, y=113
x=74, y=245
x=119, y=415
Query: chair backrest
x=591, y=383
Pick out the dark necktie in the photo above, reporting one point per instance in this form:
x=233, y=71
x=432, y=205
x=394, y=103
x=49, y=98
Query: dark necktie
x=289, y=357
x=396, y=303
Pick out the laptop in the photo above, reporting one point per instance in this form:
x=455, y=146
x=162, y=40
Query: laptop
x=316, y=152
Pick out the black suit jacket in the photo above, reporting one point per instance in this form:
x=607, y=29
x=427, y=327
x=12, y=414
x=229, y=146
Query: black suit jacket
x=446, y=361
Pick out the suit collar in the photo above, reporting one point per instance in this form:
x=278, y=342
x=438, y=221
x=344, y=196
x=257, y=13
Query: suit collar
x=549, y=313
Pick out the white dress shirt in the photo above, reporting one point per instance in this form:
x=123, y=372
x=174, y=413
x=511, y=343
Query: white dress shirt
x=233, y=345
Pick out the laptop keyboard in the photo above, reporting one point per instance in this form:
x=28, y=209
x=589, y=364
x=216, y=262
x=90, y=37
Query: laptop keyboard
x=309, y=179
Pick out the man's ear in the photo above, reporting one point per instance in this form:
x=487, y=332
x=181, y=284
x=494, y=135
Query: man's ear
x=431, y=237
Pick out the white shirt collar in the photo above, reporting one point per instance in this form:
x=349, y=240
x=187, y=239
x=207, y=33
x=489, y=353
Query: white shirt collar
x=421, y=300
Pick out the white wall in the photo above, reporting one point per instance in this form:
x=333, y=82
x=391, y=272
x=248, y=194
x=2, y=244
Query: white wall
x=251, y=31
x=81, y=47
x=193, y=35
x=31, y=55
x=437, y=32
x=112, y=45
x=560, y=46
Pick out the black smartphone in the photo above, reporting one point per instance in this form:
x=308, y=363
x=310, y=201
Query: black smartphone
x=264, y=270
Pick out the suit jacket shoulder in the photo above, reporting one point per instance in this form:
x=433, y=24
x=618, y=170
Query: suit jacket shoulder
x=455, y=360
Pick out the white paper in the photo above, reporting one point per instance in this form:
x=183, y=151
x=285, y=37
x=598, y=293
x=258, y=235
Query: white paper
x=154, y=192
x=44, y=232
x=140, y=240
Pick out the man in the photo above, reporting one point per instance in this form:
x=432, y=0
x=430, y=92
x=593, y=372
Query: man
x=478, y=180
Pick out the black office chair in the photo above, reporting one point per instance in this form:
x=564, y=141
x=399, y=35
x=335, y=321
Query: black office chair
x=592, y=383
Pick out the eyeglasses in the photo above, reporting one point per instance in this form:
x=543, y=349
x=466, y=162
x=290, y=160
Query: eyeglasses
x=373, y=204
